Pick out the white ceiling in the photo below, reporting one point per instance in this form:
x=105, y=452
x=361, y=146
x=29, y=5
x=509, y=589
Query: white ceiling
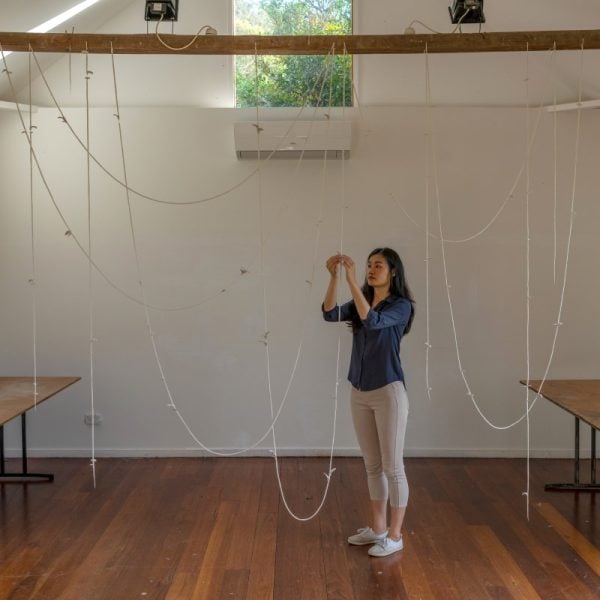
x=461, y=79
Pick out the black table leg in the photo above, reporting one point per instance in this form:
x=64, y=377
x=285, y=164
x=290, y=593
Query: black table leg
x=23, y=445
x=1, y=449
x=24, y=476
x=576, y=486
x=576, y=451
x=593, y=457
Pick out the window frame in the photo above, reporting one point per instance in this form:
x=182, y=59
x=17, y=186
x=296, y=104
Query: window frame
x=353, y=68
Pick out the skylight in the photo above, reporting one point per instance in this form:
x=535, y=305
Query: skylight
x=60, y=19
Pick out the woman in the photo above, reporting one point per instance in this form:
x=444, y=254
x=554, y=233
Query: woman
x=380, y=313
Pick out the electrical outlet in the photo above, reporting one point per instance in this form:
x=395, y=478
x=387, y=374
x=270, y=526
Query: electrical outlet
x=94, y=419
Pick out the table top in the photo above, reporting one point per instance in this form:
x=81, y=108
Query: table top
x=16, y=393
x=580, y=397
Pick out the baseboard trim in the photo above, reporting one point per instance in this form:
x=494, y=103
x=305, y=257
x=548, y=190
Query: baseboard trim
x=293, y=452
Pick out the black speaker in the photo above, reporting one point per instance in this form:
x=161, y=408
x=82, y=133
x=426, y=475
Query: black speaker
x=466, y=11
x=165, y=10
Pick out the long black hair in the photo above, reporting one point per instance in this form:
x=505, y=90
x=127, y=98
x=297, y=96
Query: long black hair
x=398, y=286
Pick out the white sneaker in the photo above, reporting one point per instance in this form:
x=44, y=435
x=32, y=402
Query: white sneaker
x=386, y=546
x=366, y=536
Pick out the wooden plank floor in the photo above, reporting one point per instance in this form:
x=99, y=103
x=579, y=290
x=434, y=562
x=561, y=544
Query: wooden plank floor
x=215, y=528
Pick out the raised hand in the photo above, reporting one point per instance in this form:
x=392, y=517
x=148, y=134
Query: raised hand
x=350, y=268
x=332, y=264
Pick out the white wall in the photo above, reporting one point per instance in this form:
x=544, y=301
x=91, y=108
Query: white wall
x=213, y=357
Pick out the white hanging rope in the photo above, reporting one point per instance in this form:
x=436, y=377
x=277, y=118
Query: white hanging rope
x=509, y=196
x=158, y=361
x=266, y=325
x=70, y=63
x=557, y=324
x=502, y=206
x=221, y=194
x=427, y=232
x=33, y=273
x=172, y=404
x=104, y=275
x=555, y=144
x=71, y=233
x=92, y=340
x=527, y=277
x=560, y=309
x=84, y=251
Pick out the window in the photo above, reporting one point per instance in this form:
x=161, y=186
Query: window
x=293, y=80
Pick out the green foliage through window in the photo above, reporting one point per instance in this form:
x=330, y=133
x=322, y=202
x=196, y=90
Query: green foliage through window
x=293, y=80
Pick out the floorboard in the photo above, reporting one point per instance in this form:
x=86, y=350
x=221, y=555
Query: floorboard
x=182, y=528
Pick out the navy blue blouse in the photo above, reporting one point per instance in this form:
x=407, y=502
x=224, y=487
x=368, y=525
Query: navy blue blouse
x=375, y=359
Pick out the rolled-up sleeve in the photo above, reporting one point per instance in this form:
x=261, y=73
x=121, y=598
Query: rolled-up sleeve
x=395, y=313
x=338, y=313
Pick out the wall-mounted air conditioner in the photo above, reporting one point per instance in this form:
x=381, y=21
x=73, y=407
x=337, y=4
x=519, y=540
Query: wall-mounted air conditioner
x=292, y=139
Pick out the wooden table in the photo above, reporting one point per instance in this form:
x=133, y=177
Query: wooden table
x=16, y=398
x=581, y=398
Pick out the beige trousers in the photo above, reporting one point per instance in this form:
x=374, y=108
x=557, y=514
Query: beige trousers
x=379, y=418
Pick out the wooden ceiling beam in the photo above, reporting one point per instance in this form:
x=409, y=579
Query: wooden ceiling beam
x=506, y=41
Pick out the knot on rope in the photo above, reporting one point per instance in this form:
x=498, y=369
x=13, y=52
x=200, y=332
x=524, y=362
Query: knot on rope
x=263, y=339
x=62, y=118
x=93, y=461
x=243, y=271
x=328, y=475
x=308, y=281
x=258, y=127
x=68, y=232
x=117, y=116
x=223, y=291
x=93, y=340
x=31, y=281
x=171, y=406
x=7, y=71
